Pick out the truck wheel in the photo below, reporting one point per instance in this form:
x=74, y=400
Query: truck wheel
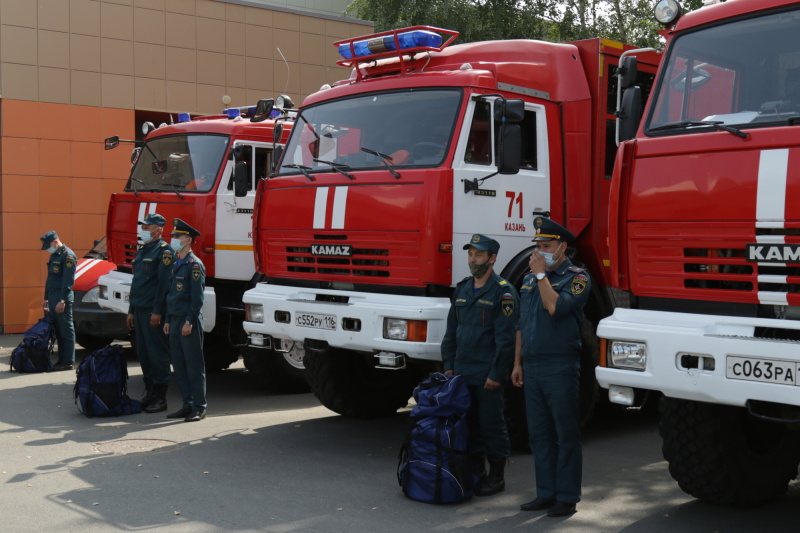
x=92, y=343
x=724, y=456
x=277, y=371
x=346, y=384
x=218, y=353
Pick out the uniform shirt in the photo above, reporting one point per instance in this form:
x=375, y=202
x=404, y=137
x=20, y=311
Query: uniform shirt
x=60, y=275
x=480, y=337
x=185, y=296
x=559, y=334
x=152, y=268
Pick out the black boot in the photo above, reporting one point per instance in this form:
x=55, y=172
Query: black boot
x=148, y=397
x=494, y=482
x=477, y=465
x=160, y=402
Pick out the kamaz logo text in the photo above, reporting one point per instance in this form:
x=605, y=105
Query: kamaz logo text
x=773, y=253
x=337, y=250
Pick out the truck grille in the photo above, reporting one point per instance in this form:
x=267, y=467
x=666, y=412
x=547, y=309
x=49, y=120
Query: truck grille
x=363, y=262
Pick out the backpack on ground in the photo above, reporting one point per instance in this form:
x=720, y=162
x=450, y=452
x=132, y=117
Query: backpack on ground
x=34, y=352
x=102, y=385
x=434, y=464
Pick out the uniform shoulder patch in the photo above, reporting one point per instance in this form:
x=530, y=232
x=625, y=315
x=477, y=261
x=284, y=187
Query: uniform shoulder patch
x=196, y=271
x=503, y=282
x=507, y=304
x=70, y=262
x=578, y=284
x=166, y=257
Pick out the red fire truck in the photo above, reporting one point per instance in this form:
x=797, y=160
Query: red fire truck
x=387, y=174
x=204, y=171
x=705, y=236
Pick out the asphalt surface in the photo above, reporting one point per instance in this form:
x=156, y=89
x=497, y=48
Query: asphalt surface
x=283, y=463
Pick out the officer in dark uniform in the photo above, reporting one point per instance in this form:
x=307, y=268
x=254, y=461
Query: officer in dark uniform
x=184, y=323
x=152, y=268
x=58, y=297
x=479, y=345
x=548, y=351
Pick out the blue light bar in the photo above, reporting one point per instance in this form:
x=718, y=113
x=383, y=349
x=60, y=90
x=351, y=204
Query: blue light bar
x=184, y=117
x=377, y=45
x=232, y=112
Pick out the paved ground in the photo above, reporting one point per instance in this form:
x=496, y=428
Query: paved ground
x=282, y=463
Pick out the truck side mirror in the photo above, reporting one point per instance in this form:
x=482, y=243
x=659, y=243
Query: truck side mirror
x=630, y=113
x=241, y=179
x=509, y=110
x=276, y=156
x=277, y=132
x=112, y=142
x=628, y=71
x=263, y=109
x=509, y=148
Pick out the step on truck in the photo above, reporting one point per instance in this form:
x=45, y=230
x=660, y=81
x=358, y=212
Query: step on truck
x=705, y=238
x=204, y=170
x=388, y=173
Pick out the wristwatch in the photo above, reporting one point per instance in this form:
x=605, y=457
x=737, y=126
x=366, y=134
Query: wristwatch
x=187, y=323
x=540, y=276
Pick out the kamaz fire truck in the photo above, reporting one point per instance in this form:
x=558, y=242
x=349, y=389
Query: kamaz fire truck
x=705, y=236
x=389, y=173
x=204, y=171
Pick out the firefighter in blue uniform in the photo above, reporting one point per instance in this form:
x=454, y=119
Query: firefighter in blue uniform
x=152, y=268
x=479, y=345
x=548, y=351
x=184, y=323
x=58, y=297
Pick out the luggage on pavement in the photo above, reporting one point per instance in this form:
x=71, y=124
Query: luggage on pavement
x=102, y=385
x=34, y=353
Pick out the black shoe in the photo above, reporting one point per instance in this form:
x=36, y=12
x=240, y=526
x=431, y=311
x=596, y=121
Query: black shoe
x=58, y=367
x=561, y=509
x=538, y=504
x=195, y=416
x=183, y=412
x=156, y=406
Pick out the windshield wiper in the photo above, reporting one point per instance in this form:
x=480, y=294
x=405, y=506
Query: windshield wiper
x=338, y=167
x=385, y=158
x=135, y=191
x=174, y=188
x=718, y=125
x=302, y=168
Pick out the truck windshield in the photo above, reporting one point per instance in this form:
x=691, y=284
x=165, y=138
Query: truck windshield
x=187, y=163
x=398, y=129
x=744, y=73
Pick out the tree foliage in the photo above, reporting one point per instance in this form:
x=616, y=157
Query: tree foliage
x=628, y=21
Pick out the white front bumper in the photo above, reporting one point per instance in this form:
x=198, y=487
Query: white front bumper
x=670, y=335
x=368, y=308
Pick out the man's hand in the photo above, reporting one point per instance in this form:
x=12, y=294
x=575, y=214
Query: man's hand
x=187, y=330
x=60, y=306
x=166, y=328
x=448, y=372
x=129, y=321
x=492, y=384
x=46, y=305
x=516, y=376
x=537, y=263
x=155, y=320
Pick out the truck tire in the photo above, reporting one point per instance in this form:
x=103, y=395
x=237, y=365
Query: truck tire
x=344, y=383
x=277, y=371
x=218, y=353
x=724, y=456
x=92, y=343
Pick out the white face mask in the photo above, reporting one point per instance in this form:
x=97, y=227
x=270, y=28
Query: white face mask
x=549, y=260
x=144, y=236
x=52, y=250
x=175, y=244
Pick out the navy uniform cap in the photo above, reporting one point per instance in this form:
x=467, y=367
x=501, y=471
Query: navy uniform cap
x=182, y=228
x=47, y=238
x=154, y=218
x=482, y=242
x=548, y=230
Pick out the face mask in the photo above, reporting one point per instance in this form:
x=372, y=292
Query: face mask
x=176, y=245
x=549, y=260
x=52, y=250
x=479, y=270
x=144, y=236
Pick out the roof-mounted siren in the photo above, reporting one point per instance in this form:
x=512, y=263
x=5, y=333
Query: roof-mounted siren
x=393, y=43
x=667, y=12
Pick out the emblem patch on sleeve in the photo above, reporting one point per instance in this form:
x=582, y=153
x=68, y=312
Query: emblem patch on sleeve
x=166, y=259
x=70, y=262
x=196, y=274
x=179, y=286
x=578, y=284
x=507, y=304
x=56, y=268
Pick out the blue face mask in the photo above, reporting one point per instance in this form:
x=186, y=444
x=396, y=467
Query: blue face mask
x=144, y=236
x=176, y=245
x=549, y=260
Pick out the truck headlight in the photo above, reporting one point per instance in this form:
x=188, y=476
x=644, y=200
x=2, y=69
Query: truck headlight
x=102, y=292
x=400, y=329
x=91, y=295
x=624, y=354
x=254, y=313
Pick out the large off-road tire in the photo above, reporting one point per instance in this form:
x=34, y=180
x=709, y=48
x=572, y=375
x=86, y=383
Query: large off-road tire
x=218, y=353
x=724, y=456
x=346, y=384
x=277, y=371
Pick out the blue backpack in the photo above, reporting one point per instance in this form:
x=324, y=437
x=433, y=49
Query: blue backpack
x=33, y=353
x=434, y=462
x=102, y=385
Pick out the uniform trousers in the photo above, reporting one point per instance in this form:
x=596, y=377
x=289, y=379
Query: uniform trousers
x=152, y=347
x=186, y=354
x=65, y=329
x=554, y=427
x=487, y=427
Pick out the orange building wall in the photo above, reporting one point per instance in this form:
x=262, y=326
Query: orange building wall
x=55, y=174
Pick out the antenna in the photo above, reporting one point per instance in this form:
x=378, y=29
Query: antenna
x=288, y=72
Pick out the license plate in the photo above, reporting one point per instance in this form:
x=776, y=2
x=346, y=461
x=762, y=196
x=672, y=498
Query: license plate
x=313, y=320
x=763, y=370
